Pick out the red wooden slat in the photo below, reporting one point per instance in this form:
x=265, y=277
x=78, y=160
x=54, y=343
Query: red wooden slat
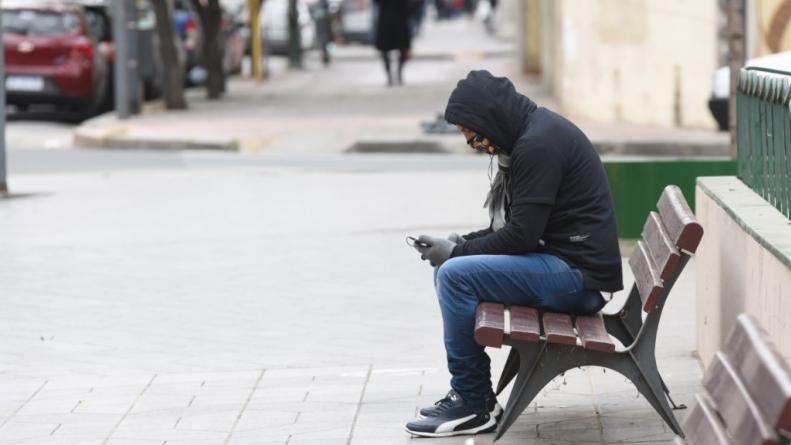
x=660, y=246
x=489, y=324
x=683, y=228
x=646, y=277
x=737, y=408
x=558, y=329
x=593, y=334
x=702, y=426
x=762, y=369
x=524, y=324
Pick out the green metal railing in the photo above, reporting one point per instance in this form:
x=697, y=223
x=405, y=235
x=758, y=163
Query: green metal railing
x=764, y=134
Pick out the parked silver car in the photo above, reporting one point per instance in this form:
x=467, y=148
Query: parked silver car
x=273, y=23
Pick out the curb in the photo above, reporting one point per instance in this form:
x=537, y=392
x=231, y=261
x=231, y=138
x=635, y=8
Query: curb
x=661, y=148
x=116, y=136
x=117, y=139
x=120, y=142
x=106, y=132
x=431, y=145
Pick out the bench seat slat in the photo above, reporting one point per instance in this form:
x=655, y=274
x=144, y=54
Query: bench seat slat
x=764, y=372
x=735, y=405
x=662, y=249
x=489, y=324
x=682, y=227
x=558, y=329
x=593, y=334
x=646, y=277
x=524, y=324
x=702, y=426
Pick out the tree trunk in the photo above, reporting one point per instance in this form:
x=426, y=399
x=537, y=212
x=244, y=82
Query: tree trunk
x=172, y=73
x=736, y=59
x=294, y=36
x=210, y=15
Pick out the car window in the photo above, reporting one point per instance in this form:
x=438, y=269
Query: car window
x=39, y=23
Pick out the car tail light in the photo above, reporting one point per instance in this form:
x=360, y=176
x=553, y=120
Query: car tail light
x=191, y=31
x=191, y=27
x=82, y=49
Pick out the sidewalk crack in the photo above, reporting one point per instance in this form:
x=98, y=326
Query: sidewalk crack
x=244, y=406
x=359, y=405
x=16, y=411
x=129, y=410
x=596, y=405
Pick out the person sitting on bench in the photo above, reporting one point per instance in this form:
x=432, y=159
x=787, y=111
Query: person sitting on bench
x=552, y=243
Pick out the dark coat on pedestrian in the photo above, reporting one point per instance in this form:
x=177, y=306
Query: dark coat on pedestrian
x=392, y=25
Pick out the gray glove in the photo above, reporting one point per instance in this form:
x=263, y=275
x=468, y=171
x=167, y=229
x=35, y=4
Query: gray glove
x=456, y=238
x=439, y=249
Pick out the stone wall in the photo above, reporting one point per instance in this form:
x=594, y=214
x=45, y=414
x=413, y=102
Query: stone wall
x=742, y=265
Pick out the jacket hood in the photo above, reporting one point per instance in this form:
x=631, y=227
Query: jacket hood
x=490, y=106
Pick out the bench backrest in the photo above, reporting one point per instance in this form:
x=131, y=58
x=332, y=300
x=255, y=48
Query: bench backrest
x=747, y=397
x=668, y=235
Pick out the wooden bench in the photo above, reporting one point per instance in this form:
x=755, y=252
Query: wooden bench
x=747, y=394
x=545, y=345
x=746, y=398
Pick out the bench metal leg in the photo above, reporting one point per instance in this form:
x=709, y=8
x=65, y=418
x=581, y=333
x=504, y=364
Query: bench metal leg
x=619, y=327
x=530, y=380
x=644, y=359
x=680, y=406
x=510, y=370
x=647, y=380
x=550, y=360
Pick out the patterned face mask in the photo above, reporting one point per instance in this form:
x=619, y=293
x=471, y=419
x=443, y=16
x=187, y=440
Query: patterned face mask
x=481, y=144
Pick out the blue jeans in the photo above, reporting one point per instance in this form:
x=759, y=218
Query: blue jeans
x=541, y=281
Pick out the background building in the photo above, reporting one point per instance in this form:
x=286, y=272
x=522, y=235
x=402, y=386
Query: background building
x=636, y=61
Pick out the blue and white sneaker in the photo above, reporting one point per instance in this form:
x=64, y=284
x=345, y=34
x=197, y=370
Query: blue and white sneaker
x=452, y=418
x=491, y=402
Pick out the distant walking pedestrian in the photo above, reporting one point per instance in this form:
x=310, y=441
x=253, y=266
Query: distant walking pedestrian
x=393, y=33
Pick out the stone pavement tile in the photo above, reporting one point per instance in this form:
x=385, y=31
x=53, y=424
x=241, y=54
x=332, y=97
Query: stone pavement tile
x=17, y=392
x=25, y=433
x=566, y=426
x=337, y=393
x=258, y=438
x=267, y=421
x=406, y=439
x=151, y=425
x=380, y=421
x=329, y=434
x=141, y=441
x=264, y=398
x=632, y=425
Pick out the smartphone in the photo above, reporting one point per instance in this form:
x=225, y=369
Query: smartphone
x=416, y=243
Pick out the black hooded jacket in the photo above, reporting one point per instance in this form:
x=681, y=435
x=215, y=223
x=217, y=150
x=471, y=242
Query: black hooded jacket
x=559, y=192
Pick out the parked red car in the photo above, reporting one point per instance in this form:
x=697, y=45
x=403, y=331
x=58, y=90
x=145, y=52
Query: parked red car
x=52, y=56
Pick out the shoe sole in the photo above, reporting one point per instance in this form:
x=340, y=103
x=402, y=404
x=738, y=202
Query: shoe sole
x=497, y=412
x=485, y=428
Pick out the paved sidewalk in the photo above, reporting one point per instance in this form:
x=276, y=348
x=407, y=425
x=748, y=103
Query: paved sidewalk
x=348, y=107
x=275, y=304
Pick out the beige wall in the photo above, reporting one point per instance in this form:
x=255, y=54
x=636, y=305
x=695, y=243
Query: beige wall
x=772, y=20
x=638, y=61
x=735, y=273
